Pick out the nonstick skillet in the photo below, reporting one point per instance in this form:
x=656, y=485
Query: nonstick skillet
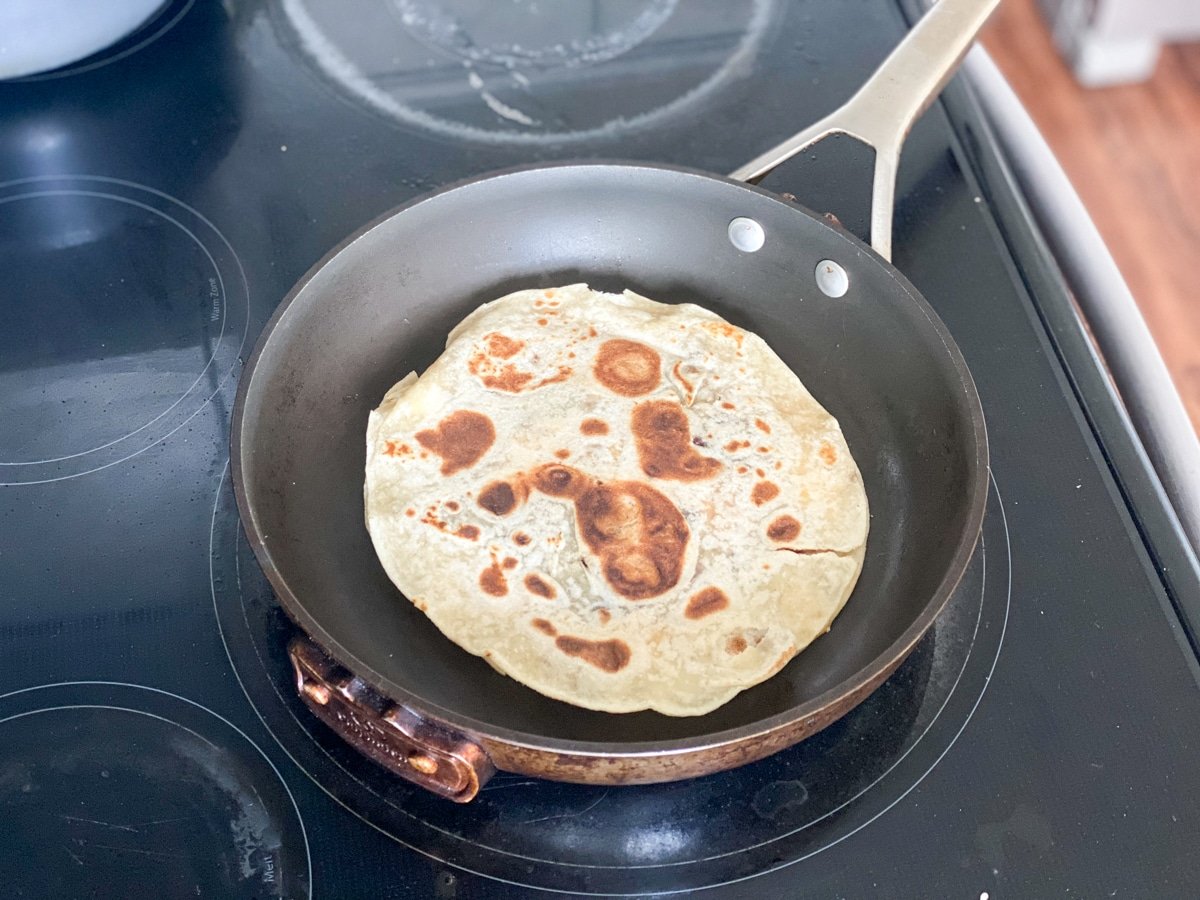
x=860, y=337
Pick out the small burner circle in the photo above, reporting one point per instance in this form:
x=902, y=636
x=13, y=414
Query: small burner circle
x=118, y=790
x=125, y=311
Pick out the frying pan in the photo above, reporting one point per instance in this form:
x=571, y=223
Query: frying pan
x=869, y=348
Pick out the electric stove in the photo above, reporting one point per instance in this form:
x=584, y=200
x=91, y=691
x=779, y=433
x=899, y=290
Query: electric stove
x=158, y=200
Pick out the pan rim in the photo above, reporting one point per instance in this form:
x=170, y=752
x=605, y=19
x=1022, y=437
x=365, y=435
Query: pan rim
x=851, y=687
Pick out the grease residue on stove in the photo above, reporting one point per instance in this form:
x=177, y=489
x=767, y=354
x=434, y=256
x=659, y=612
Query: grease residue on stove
x=165, y=799
x=527, y=71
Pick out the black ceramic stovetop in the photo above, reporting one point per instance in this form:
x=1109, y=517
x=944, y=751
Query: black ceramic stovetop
x=158, y=201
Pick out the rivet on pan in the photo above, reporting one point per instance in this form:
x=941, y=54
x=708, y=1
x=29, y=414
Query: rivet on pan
x=426, y=765
x=318, y=693
x=832, y=278
x=746, y=234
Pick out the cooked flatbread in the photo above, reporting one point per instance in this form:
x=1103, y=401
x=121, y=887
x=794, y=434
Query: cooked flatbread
x=622, y=504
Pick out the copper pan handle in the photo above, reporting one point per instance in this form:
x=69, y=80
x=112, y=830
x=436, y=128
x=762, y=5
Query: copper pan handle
x=883, y=110
x=394, y=736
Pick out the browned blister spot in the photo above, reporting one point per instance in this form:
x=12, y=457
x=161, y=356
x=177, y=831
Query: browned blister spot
x=510, y=562
x=784, y=529
x=608, y=656
x=521, y=538
x=827, y=453
x=603, y=615
x=543, y=322
x=395, y=448
x=727, y=405
x=742, y=470
x=544, y=627
x=663, y=438
x=593, y=427
x=764, y=492
x=563, y=373
x=535, y=584
x=762, y=426
x=562, y=454
x=509, y=379
x=452, y=505
x=627, y=367
x=460, y=439
x=502, y=346
x=735, y=645
x=492, y=580
x=732, y=447
x=498, y=498
x=560, y=481
x=470, y=532
x=410, y=512
x=708, y=601
x=726, y=330
x=638, y=534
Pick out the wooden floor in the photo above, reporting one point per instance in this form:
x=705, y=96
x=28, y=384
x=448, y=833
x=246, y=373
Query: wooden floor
x=1133, y=154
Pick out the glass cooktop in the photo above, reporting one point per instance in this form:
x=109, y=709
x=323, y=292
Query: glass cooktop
x=158, y=201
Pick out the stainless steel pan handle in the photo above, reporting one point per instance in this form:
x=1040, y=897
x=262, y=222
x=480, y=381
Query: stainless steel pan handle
x=883, y=110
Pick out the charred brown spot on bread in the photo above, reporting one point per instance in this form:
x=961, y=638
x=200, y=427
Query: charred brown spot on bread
x=502, y=346
x=784, y=529
x=827, y=453
x=492, y=580
x=560, y=481
x=395, y=448
x=705, y=603
x=593, y=427
x=608, y=656
x=535, y=584
x=562, y=374
x=521, y=539
x=639, y=535
x=509, y=379
x=764, y=492
x=603, y=615
x=461, y=439
x=544, y=627
x=727, y=405
x=735, y=645
x=562, y=453
x=470, y=532
x=762, y=426
x=663, y=437
x=627, y=367
x=452, y=505
x=510, y=562
x=498, y=498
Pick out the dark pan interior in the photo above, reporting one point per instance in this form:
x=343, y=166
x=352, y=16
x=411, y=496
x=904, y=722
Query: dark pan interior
x=382, y=307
